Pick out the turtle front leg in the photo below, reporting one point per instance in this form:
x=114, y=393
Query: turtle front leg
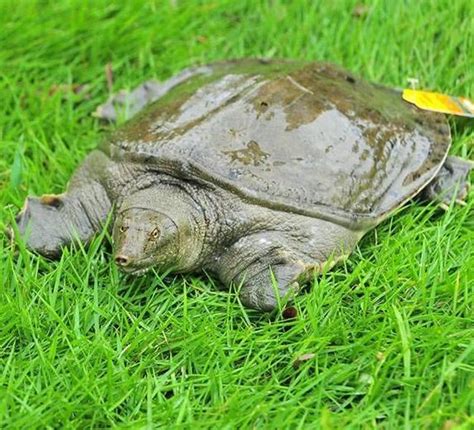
x=50, y=222
x=263, y=268
x=269, y=266
x=451, y=182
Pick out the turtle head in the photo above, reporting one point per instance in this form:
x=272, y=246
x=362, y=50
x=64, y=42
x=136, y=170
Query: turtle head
x=144, y=238
x=156, y=231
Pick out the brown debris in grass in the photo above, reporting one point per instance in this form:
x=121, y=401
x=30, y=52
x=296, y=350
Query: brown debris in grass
x=109, y=76
x=303, y=358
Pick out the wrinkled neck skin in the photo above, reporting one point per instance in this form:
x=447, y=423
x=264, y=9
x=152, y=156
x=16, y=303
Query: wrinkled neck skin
x=162, y=226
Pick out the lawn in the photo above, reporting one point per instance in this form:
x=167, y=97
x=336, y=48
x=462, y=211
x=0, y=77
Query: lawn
x=83, y=346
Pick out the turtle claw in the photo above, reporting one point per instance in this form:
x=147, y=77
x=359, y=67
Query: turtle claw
x=446, y=207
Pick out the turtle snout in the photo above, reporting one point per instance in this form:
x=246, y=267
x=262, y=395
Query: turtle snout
x=122, y=260
x=131, y=265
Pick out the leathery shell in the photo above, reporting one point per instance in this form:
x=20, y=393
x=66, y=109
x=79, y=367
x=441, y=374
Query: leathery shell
x=308, y=138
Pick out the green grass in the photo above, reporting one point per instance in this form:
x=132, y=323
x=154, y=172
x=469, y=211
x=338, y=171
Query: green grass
x=83, y=346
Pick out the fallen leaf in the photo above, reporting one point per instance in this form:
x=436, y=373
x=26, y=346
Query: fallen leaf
x=302, y=358
x=366, y=379
x=450, y=425
x=289, y=313
x=68, y=89
x=360, y=11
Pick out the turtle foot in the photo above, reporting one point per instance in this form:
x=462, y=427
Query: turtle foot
x=450, y=184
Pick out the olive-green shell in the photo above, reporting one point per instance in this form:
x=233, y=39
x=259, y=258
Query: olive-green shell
x=302, y=137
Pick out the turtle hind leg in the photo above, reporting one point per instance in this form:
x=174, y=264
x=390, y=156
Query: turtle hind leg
x=125, y=104
x=51, y=222
x=450, y=183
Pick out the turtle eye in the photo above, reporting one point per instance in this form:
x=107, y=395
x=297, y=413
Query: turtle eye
x=123, y=228
x=155, y=233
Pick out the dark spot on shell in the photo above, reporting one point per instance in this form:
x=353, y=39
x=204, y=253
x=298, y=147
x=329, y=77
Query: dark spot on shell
x=261, y=108
x=365, y=154
x=251, y=155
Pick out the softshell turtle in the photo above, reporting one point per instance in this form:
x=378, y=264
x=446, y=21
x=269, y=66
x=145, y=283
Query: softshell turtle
x=259, y=172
